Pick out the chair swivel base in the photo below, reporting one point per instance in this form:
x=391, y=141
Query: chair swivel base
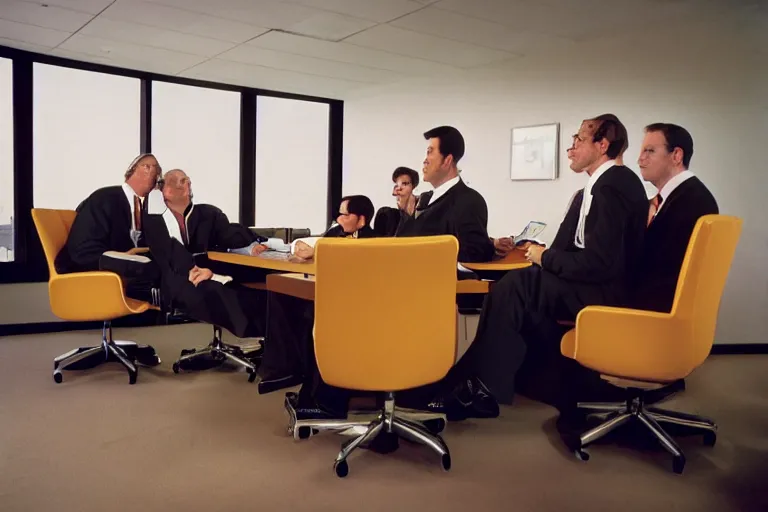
x=405, y=423
x=109, y=350
x=651, y=417
x=218, y=352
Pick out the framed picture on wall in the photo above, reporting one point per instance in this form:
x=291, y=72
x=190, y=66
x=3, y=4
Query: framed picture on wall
x=534, y=152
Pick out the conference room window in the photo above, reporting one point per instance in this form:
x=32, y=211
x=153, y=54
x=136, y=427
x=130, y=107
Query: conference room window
x=86, y=133
x=6, y=160
x=291, y=164
x=198, y=130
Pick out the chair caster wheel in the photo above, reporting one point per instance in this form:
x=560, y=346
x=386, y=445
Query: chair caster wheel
x=176, y=367
x=435, y=426
x=581, y=455
x=58, y=377
x=252, y=376
x=305, y=432
x=678, y=464
x=710, y=438
x=341, y=468
x=446, y=461
x=132, y=377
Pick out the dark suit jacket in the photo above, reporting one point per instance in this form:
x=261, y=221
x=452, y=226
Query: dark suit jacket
x=461, y=212
x=666, y=242
x=338, y=232
x=387, y=221
x=602, y=272
x=103, y=223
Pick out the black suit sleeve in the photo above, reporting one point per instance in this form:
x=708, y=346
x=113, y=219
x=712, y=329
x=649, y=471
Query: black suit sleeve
x=600, y=260
x=230, y=235
x=166, y=251
x=472, y=232
x=89, y=237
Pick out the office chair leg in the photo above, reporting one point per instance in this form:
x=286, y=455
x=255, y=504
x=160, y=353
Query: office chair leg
x=133, y=371
x=71, y=357
x=419, y=434
x=601, y=407
x=340, y=466
x=219, y=352
x=250, y=367
x=669, y=444
x=601, y=430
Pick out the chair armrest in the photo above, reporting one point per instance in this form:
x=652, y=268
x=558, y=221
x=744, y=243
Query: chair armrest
x=87, y=296
x=632, y=343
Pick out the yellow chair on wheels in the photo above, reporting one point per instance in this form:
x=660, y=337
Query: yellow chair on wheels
x=363, y=344
x=84, y=296
x=642, y=351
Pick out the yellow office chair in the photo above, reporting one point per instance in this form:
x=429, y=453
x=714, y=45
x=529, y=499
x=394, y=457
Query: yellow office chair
x=643, y=350
x=362, y=343
x=83, y=296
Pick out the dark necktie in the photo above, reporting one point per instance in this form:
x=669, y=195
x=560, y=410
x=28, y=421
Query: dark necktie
x=423, y=202
x=137, y=212
x=654, y=207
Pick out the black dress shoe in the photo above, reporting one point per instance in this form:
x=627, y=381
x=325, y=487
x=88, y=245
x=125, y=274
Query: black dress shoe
x=146, y=356
x=311, y=410
x=471, y=399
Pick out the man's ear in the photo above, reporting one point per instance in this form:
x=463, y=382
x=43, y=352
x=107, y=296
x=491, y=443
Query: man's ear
x=677, y=156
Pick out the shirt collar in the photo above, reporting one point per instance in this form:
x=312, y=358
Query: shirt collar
x=672, y=184
x=596, y=175
x=442, y=189
x=129, y=193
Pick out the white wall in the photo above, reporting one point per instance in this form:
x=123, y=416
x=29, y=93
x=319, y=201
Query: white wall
x=700, y=80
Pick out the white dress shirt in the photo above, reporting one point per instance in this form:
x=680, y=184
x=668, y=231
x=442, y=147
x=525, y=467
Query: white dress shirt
x=671, y=185
x=129, y=194
x=587, y=201
x=442, y=189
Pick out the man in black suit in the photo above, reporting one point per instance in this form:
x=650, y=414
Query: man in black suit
x=177, y=231
x=451, y=208
x=110, y=220
x=591, y=261
x=664, y=159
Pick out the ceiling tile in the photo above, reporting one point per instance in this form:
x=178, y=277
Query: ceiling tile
x=330, y=26
x=31, y=34
x=349, y=53
x=263, y=13
x=180, y=20
x=155, y=37
x=380, y=11
x=169, y=61
x=24, y=46
x=248, y=54
x=272, y=79
x=88, y=6
x=415, y=44
x=40, y=16
x=451, y=25
x=83, y=57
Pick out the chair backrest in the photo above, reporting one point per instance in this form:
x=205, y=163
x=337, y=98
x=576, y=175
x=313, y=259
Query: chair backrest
x=385, y=311
x=702, y=280
x=53, y=229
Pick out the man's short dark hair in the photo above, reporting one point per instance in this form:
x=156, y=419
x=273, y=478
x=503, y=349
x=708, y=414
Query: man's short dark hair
x=612, y=130
x=451, y=141
x=406, y=171
x=361, y=206
x=677, y=137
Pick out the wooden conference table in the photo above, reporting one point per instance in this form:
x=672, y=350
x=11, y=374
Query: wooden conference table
x=297, y=277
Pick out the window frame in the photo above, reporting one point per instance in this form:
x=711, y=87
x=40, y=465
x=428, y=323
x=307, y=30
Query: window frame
x=29, y=263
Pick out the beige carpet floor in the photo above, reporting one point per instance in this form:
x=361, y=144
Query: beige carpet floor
x=209, y=441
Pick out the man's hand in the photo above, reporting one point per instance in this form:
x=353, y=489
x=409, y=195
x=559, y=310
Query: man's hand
x=503, y=246
x=303, y=251
x=198, y=275
x=534, y=252
x=407, y=203
x=258, y=249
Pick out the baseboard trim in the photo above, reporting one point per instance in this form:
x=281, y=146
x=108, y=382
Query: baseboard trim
x=740, y=348
x=145, y=319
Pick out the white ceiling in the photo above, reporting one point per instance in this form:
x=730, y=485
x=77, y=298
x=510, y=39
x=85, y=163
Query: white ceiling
x=334, y=47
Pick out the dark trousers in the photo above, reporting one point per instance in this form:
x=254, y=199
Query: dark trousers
x=521, y=310
x=139, y=279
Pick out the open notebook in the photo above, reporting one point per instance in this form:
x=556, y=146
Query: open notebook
x=529, y=234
